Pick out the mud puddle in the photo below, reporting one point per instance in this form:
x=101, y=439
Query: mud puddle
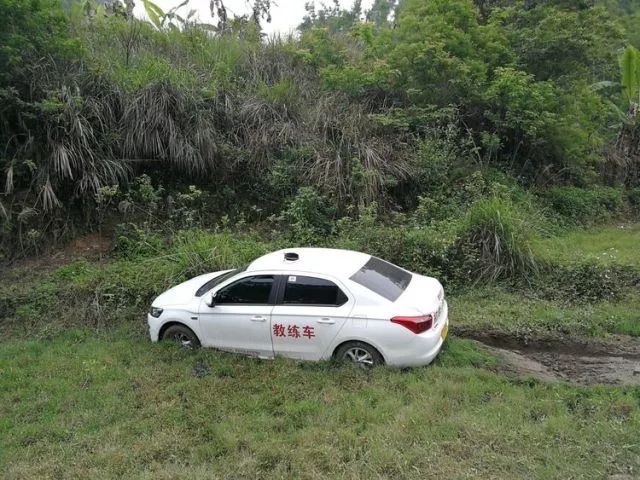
x=615, y=361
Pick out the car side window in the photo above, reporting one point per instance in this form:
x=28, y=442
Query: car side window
x=248, y=291
x=302, y=290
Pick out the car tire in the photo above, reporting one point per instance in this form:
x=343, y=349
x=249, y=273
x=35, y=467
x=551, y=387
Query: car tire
x=181, y=335
x=359, y=353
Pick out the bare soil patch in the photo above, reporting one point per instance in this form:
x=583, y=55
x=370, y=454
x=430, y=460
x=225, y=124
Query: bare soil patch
x=93, y=246
x=614, y=361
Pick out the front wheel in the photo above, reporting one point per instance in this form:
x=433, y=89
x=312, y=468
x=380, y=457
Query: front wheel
x=359, y=353
x=181, y=335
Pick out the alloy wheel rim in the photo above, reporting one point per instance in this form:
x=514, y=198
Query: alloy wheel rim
x=359, y=356
x=182, y=339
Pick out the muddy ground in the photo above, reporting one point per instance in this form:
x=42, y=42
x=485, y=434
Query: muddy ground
x=611, y=361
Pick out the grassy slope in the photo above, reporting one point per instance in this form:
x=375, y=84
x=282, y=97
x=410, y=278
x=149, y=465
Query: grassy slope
x=81, y=407
x=73, y=404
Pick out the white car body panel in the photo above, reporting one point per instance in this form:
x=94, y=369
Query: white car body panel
x=325, y=324
x=183, y=294
x=258, y=329
x=221, y=325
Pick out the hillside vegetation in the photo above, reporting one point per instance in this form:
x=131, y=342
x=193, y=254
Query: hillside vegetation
x=446, y=116
x=493, y=144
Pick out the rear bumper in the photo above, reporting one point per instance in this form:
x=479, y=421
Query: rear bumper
x=424, y=349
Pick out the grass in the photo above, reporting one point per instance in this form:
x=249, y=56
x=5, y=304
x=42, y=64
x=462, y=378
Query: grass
x=101, y=401
x=497, y=309
x=80, y=406
x=610, y=245
x=117, y=291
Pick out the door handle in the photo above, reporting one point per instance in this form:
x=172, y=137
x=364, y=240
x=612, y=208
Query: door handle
x=258, y=318
x=327, y=321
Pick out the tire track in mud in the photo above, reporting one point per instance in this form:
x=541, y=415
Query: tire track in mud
x=614, y=361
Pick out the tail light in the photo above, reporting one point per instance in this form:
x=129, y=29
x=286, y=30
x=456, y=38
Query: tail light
x=415, y=324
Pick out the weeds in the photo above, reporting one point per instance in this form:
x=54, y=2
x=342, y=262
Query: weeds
x=496, y=239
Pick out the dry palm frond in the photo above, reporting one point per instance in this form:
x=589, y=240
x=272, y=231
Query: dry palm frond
x=346, y=138
x=165, y=124
x=47, y=197
x=26, y=213
x=8, y=184
x=3, y=212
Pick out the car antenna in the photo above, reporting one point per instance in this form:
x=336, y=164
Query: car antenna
x=291, y=256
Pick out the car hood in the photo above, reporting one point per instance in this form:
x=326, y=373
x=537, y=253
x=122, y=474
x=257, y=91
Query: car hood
x=184, y=293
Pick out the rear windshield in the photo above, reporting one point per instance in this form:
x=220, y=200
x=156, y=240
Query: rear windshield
x=383, y=278
x=218, y=280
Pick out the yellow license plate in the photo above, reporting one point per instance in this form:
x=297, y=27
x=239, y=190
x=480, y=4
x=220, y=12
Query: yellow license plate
x=445, y=330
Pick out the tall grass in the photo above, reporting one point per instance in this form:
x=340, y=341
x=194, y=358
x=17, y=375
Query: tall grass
x=497, y=236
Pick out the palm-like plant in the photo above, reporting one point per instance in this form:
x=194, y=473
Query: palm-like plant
x=630, y=78
x=623, y=157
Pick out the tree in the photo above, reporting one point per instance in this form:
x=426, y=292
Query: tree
x=381, y=11
x=334, y=18
x=562, y=42
x=260, y=10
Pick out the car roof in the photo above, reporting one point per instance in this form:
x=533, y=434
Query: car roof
x=328, y=261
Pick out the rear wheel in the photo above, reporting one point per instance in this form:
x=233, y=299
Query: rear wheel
x=181, y=335
x=359, y=353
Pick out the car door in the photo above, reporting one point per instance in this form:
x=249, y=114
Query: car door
x=239, y=320
x=310, y=311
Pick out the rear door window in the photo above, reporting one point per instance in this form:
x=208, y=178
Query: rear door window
x=303, y=290
x=383, y=278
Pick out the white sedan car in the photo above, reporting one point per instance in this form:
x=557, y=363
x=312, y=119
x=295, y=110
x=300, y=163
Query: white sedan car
x=311, y=304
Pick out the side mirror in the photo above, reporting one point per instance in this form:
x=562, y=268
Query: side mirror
x=211, y=302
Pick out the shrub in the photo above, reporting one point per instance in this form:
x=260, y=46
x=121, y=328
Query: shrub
x=585, y=206
x=367, y=233
x=105, y=295
x=494, y=242
x=586, y=282
x=633, y=197
x=309, y=216
x=426, y=251
x=133, y=241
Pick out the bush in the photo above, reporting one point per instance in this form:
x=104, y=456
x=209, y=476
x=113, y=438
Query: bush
x=309, y=216
x=431, y=252
x=133, y=241
x=586, y=282
x=585, y=206
x=494, y=242
x=633, y=197
x=424, y=250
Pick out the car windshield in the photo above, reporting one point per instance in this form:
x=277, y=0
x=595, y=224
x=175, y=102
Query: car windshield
x=383, y=278
x=218, y=280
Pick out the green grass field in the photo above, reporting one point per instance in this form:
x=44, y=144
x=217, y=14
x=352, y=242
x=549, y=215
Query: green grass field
x=101, y=401
x=86, y=407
